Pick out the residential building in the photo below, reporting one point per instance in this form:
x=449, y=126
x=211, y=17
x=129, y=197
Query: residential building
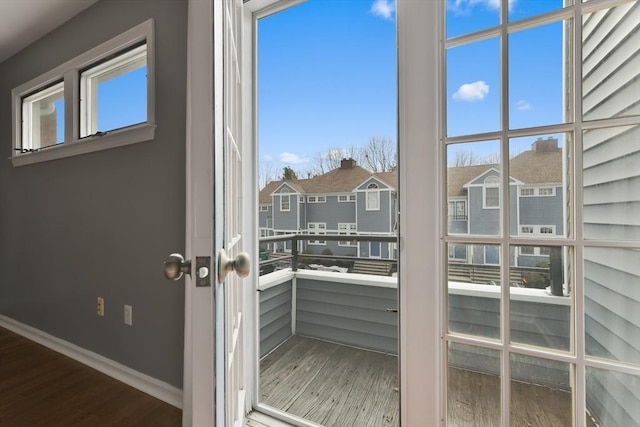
x=348, y=200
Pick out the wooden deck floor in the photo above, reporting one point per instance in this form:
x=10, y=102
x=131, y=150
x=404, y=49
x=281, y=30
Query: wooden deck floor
x=39, y=387
x=339, y=386
x=331, y=384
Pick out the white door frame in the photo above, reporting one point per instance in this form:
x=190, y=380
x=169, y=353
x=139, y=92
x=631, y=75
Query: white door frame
x=421, y=349
x=199, y=340
x=421, y=265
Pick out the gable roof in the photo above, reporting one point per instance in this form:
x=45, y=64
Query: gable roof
x=339, y=180
x=529, y=167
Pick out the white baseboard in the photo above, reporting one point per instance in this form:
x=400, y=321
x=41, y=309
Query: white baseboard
x=149, y=385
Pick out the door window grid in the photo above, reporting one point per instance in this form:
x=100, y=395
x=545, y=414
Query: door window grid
x=574, y=358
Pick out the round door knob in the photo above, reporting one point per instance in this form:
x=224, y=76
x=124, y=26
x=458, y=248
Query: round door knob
x=241, y=265
x=175, y=267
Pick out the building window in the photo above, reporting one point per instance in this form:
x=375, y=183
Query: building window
x=546, y=191
x=347, y=198
x=538, y=229
x=373, y=197
x=317, y=228
x=491, y=193
x=527, y=192
x=311, y=199
x=346, y=229
x=301, y=199
x=43, y=119
x=285, y=202
x=547, y=230
x=457, y=252
x=113, y=106
x=263, y=209
x=458, y=210
x=317, y=199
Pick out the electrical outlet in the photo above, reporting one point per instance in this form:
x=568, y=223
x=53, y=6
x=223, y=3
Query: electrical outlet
x=128, y=315
x=100, y=306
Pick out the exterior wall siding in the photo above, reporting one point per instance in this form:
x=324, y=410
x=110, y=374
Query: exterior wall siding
x=542, y=211
x=332, y=212
x=373, y=221
x=285, y=220
x=275, y=316
x=348, y=314
x=263, y=218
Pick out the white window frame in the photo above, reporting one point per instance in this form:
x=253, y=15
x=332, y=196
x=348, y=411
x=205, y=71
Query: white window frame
x=69, y=73
x=537, y=191
x=317, y=228
x=491, y=182
x=527, y=189
x=452, y=250
x=122, y=64
x=453, y=212
x=316, y=199
x=311, y=199
x=263, y=209
x=31, y=140
x=372, y=190
x=344, y=198
x=347, y=229
x=282, y=203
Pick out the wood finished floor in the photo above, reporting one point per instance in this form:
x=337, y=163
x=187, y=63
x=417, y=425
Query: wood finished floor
x=39, y=387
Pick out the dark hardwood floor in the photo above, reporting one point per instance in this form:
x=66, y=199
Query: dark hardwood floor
x=39, y=387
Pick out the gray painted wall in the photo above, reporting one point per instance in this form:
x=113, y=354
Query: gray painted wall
x=101, y=224
x=285, y=220
x=263, y=218
x=275, y=316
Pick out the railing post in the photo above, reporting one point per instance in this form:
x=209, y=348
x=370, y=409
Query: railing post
x=555, y=270
x=294, y=253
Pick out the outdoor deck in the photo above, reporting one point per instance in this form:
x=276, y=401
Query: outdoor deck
x=336, y=385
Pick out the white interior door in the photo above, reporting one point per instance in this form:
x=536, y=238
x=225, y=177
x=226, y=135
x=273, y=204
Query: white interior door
x=213, y=375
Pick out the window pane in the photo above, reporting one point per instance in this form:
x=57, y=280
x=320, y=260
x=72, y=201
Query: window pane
x=537, y=65
x=541, y=392
x=473, y=173
x=540, y=313
x=610, y=398
x=473, y=88
x=611, y=180
x=467, y=16
x=43, y=118
x=537, y=163
x=527, y=8
x=114, y=93
x=610, y=62
x=473, y=380
x=612, y=303
x=474, y=291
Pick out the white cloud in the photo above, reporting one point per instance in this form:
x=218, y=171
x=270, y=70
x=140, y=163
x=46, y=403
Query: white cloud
x=470, y=92
x=523, y=105
x=293, y=159
x=267, y=157
x=383, y=8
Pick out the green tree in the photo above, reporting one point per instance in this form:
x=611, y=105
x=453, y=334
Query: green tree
x=289, y=174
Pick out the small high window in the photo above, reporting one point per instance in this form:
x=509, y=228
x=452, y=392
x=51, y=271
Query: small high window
x=102, y=99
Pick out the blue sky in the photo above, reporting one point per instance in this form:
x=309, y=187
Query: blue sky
x=327, y=76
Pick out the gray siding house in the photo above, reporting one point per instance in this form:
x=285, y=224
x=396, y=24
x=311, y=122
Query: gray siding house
x=348, y=200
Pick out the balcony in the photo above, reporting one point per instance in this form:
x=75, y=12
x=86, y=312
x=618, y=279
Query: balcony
x=329, y=340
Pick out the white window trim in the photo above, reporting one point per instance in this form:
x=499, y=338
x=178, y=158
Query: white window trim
x=313, y=228
x=536, y=191
x=491, y=181
x=537, y=230
x=349, y=198
x=263, y=209
x=347, y=229
x=69, y=72
x=282, y=196
x=371, y=190
x=316, y=199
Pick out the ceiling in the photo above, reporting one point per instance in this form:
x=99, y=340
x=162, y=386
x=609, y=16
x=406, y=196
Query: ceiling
x=24, y=21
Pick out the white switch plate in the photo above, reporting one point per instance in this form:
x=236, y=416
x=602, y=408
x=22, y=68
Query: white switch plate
x=128, y=315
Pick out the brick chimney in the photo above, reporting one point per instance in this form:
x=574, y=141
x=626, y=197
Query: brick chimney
x=548, y=145
x=347, y=163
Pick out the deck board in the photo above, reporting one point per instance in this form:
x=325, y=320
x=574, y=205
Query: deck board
x=336, y=386
x=331, y=384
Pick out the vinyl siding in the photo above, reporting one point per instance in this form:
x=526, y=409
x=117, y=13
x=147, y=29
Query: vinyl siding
x=285, y=220
x=332, y=212
x=373, y=221
x=275, y=316
x=350, y=314
x=545, y=210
